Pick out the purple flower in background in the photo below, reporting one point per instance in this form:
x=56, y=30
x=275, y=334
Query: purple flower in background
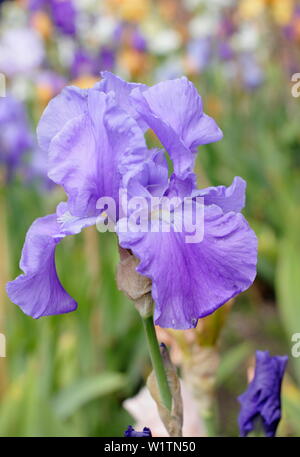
x=138, y=40
x=262, y=398
x=63, y=13
x=200, y=52
x=107, y=58
x=290, y=31
x=252, y=73
x=96, y=148
x=131, y=34
x=130, y=433
x=225, y=51
x=49, y=80
x=15, y=134
x=35, y=170
x=64, y=16
x=84, y=64
x=226, y=27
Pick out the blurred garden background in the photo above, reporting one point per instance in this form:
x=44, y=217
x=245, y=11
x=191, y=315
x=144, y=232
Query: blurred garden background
x=70, y=375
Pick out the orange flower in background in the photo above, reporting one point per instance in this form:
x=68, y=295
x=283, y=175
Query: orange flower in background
x=42, y=23
x=85, y=81
x=296, y=25
x=44, y=94
x=135, y=62
x=130, y=10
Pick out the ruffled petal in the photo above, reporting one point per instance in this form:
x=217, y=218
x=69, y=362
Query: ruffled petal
x=122, y=90
x=173, y=110
x=94, y=151
x=38, y=292
x=191, y=280
x=71, y=102
x=230, y=198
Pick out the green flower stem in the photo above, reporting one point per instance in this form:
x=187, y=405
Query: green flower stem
x=157, y=363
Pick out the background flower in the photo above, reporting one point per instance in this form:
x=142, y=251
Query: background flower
x=261, y=403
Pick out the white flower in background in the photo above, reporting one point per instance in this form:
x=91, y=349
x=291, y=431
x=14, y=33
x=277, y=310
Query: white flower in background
x=103, y=29
x=21, y=51
x=163, y=41
x=203, y=25
x=13, y=15
x=247, y=39
x=21, y=87
x=218, y=3
x=211, y=4
x=143, y=409
x=66, y=49
x=87, y=5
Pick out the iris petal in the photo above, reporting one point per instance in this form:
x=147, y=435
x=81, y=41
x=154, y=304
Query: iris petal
x=173, y=110
x=191, y=280
x=230, y=198
x=38, y=292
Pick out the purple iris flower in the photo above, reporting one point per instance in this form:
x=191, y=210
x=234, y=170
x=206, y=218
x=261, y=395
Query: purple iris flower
x=138, y=40
x=127, y=30
x=262, y=398
x=64, y=16
x=200, y=51
x=96, y=148
x=107, y=58
x=63, y=13
x=252, y=73
x=130, y=433
x=15, y=134
x=84, y=64
x=225, y=51
x=290, y=30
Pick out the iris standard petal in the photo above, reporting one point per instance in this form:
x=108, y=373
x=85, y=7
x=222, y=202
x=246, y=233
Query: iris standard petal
x=122, y=90
x=38, y=292
x=173, y=110
x=191, y=280
x=94, y=151
x=71, y=102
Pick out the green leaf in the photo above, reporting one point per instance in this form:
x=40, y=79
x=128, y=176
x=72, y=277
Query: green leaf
x=231, y=360
x=83, y=391
x=288, y=284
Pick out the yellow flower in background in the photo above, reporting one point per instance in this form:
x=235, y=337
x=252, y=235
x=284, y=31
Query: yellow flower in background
x=250, y=9
x=130, y=10
x=282, y=11
x=85, y=81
